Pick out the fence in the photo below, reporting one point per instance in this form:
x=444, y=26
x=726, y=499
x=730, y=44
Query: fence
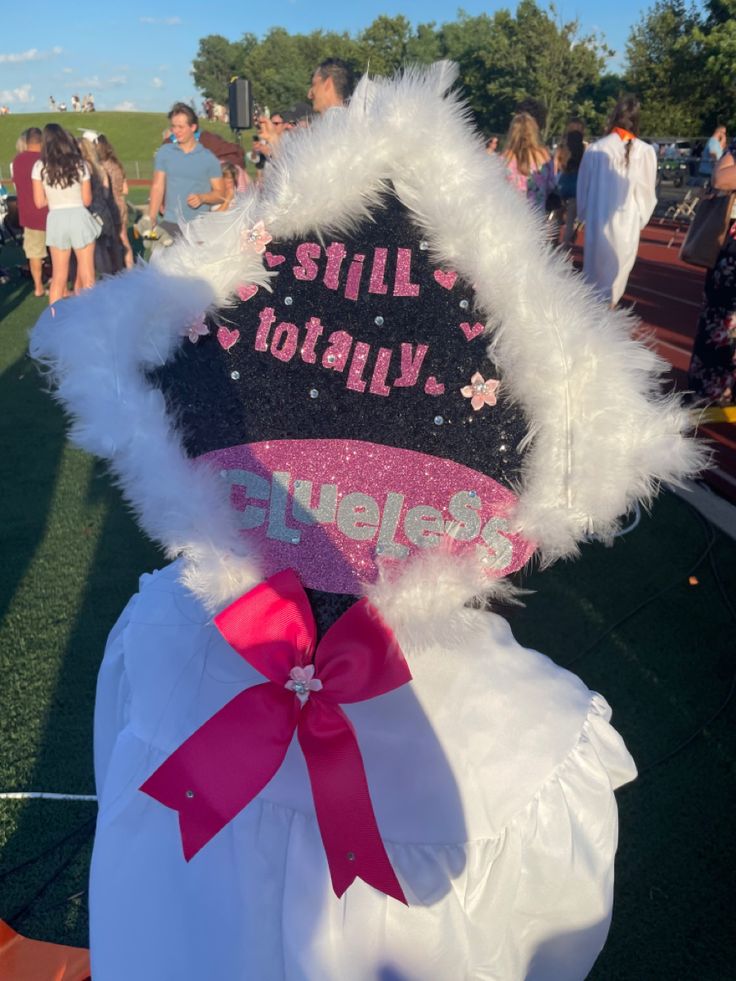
x=136, y=170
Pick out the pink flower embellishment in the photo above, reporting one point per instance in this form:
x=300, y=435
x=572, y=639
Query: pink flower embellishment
x=302, y=681
x=198, y=328
x=480, y=392
x=254, y=239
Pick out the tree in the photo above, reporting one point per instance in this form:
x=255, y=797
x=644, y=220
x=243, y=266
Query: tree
x=665, y=69
x=385, y=43
x=715, y=44
x=507, y=58
x=217, y=61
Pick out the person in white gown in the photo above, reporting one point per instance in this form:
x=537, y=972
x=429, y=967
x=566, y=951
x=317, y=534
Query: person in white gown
x=492, y=771
x=616, y=197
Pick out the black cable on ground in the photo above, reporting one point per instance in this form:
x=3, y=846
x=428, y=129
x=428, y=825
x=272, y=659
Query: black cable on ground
x=21, y=913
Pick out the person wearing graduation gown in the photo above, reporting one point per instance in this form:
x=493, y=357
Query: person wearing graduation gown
x=616, y=197
x=301, y=390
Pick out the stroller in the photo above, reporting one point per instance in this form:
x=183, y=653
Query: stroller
x=10, y=229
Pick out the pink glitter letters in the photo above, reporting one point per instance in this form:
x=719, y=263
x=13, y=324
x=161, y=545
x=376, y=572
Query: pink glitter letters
x=305, y=253
x=410, y=365
x=357, y=366
x=378, y=381
x=290, y=336
x=335, y=256
x=268, y=316
x=378, y=270
x=314, y=332
x=339, y=350
x=403, y=285
x=355, y=274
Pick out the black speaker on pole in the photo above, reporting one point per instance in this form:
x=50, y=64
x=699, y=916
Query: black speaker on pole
x=240, y=104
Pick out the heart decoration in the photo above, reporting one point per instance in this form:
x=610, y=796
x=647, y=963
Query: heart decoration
x=433, y=387
x=227, y=338
x=471, y=330
x=273, y=260
x=445, y=278
x=246, y=291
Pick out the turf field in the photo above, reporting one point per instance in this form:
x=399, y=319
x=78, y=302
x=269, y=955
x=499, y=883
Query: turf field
x=627, y=619
x=135, y=135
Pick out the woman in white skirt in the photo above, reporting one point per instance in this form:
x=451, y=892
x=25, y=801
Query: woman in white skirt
x=61, y=180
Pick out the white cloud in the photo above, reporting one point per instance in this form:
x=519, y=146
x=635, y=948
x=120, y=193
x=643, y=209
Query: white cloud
x=68, y=71
x=167, y=21
x=33, y=54
x=21, y=94
x=157, y=83
x=126, y=106
x=94, y=82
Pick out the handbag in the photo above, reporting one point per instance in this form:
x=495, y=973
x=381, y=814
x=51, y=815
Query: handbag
x=707, y=233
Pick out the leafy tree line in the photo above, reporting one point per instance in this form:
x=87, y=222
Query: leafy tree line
x=675, y=54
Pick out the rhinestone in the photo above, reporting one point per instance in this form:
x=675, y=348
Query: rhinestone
x=288, y=301
x=473, y=493
x=331, y=358
x=479, y=387
x=300, y=688
x=189, y=794
x=378, y=321
x=294, y=541
x=235, y=375
x=464, y=304
x=424, y=245
x=351, y=856
x=313, y=393
x=503, y=447
x=438, y=420
x=379, y=549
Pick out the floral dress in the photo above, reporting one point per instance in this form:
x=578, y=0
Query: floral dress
x=712, y=374
x=536, y=185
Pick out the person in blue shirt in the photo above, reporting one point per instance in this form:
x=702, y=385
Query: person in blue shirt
x=713, y=151
x=187, y=179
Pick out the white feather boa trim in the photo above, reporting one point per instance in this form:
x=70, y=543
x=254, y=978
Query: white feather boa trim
x=600, y=434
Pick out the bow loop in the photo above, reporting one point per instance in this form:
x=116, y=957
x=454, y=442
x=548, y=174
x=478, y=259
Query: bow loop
x=359, y=658
x=272, y=627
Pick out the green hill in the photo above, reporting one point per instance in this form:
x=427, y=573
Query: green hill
x=135, y=135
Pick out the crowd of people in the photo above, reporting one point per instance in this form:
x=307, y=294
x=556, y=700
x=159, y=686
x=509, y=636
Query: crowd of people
x=609, y=185
x=85, y=104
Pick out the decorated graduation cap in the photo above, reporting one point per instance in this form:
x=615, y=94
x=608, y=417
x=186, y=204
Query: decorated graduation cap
x=372, y=371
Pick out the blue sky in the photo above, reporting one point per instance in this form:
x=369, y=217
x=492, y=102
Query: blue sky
x=138, y=55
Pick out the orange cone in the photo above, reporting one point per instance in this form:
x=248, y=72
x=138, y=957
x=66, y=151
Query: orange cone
x=22, y=959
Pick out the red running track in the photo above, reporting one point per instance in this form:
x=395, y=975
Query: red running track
x=666, y=294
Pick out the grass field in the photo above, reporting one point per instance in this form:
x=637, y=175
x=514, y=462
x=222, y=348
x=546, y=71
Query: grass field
x=135, y=135
x=626, y=619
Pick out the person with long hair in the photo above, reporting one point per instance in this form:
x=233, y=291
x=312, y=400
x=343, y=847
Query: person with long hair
x=108, y=252
x=529, y=166
x=119, y=188
x=61, y=181
x=568, y=158
x=616, y=197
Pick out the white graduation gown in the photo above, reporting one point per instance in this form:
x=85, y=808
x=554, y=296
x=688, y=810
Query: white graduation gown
x=615, y=202
x=491, y=774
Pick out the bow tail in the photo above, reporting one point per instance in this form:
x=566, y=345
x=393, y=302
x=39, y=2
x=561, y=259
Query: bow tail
x=342, y=801
x=205, y=782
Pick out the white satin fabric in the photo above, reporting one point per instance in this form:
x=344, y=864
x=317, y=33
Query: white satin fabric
x=492, y=778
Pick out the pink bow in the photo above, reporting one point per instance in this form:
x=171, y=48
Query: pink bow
x=272, y=627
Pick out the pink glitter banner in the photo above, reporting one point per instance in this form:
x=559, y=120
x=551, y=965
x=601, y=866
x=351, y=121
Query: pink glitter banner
x=330, y=508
